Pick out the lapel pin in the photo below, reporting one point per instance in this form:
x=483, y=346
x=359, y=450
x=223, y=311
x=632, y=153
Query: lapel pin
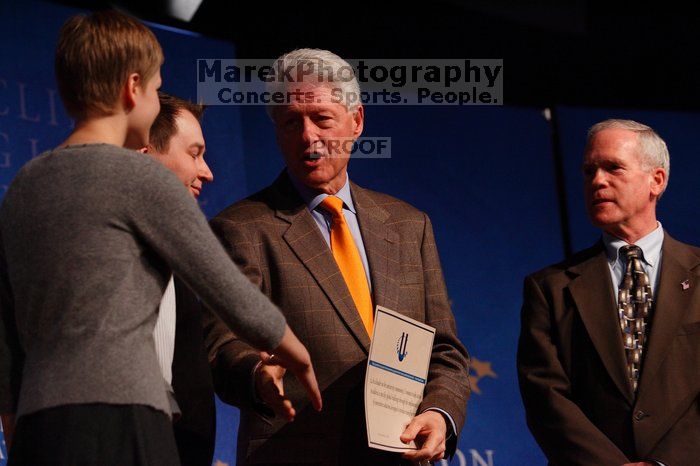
x=685, y=284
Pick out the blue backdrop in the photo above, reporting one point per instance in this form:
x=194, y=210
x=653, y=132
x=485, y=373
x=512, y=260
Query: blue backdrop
x=485, y=175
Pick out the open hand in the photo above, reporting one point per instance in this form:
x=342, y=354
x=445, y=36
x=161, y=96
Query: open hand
x=429, y=431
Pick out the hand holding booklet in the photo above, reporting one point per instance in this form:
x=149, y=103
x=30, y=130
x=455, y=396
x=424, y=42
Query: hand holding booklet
x=397, y=371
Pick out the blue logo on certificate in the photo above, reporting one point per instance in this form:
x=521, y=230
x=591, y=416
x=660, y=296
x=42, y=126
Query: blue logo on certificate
x=401, y=346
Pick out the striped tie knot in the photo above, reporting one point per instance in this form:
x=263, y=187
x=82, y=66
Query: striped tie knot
x=631, y=252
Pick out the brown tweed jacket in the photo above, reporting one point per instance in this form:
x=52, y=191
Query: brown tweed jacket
x=274, y=239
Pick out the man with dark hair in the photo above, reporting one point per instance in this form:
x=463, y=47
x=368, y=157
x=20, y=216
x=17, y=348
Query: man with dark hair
x=177, y=142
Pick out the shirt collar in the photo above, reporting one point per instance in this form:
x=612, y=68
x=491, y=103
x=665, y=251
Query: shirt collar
x=313, y=198
x=650, y=246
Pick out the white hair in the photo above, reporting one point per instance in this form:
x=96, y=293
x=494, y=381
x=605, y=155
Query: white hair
x=653, y=152
x=323, y=66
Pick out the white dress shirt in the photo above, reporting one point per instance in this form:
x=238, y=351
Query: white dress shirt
x=164, y=332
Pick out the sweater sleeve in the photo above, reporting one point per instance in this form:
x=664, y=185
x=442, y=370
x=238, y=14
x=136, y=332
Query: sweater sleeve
x=168, y=219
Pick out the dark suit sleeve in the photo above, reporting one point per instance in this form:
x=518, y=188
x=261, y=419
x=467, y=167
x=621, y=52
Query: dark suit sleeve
x=562, y=430
x=232, y=360
x=195, y=429
x=448, y=378
x=11, y=354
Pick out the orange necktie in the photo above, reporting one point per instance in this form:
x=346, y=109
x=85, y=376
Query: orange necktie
x=349, y=262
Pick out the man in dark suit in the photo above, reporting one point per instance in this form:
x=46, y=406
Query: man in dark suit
x=609, y=350
x=286, y=239
x=176, y=140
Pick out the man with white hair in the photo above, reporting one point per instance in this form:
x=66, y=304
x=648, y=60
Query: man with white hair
x=609, y=350
x=326, y=251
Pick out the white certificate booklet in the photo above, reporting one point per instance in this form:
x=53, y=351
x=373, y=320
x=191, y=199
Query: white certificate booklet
x=397, y=371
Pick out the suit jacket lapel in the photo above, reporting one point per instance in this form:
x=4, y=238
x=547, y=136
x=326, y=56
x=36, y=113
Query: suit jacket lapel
x=304, y=238
x=671, y=304
x=382, y=248
x=593, y=293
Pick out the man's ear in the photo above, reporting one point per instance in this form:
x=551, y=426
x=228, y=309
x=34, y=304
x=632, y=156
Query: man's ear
x=131, y=89
x=658, y=181
x=145, y=149
x=358, y=121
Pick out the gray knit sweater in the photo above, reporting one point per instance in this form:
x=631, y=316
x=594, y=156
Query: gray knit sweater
x=88, y=238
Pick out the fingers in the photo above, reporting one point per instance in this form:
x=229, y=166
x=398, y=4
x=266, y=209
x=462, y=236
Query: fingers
x=294, y=356
x=411, y=431
x=308, y=378
x=270, y=387
x=280, y=405
x=428, y=430
x=432, y=449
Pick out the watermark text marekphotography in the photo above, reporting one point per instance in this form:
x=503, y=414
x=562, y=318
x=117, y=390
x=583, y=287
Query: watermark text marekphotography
x=381, y=81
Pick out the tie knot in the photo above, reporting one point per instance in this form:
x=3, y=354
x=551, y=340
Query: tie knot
x=334, y=205
x=631, y=252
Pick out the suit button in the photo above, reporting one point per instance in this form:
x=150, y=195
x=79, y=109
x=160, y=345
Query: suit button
x=639, y=415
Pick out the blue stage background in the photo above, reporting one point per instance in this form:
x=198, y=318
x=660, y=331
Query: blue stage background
x=485, y=175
